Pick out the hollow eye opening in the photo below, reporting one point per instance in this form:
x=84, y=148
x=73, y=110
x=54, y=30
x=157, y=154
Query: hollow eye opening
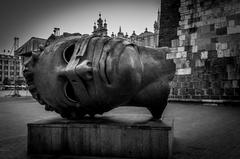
x=68, y=52
x=69, y=92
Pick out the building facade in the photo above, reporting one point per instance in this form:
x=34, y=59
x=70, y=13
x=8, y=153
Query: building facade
x=205, y=47
x=148, y=38
x=100, y=28
x=32, y=44
x=9, y=67
x=10, y=64
x=145, y=38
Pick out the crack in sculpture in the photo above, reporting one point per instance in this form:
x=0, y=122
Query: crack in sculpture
x=79, y=75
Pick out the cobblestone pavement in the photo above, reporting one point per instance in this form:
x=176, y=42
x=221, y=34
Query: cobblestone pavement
x=201, y=132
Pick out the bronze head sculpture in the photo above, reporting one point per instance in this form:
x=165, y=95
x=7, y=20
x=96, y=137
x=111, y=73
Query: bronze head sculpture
x=79, y=75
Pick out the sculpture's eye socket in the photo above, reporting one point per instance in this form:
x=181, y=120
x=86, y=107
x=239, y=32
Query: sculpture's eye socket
x=69, y=92
x=68, y=52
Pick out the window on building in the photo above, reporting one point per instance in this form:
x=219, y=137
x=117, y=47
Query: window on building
x=5, y=67
x=6, y=62
x=11, y=67
x=11, y=73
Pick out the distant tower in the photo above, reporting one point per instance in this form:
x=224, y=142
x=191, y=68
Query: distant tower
x=120, y=33
x=157, y=23
x=94, y=27
x=159, y=14
x=146, y=30
x=105, y=24
x=101, y=28
x=134, y=34
x=56, y=31
x=112, y=35
x=156, y=27
x=133, y=37
x=16, y=43
x=100, y=21
x=126, y=35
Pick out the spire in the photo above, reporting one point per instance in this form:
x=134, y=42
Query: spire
x=100, y=21
x=133, y=34
x=120, y=34
x=159, y=15
x=100, y=28
x=105, y=24
x=126, y=35
x=94, y=27
x=155, y=25
x=112, y=35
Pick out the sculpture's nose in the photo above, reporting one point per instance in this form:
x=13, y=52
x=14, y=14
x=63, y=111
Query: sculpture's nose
x=84, y=70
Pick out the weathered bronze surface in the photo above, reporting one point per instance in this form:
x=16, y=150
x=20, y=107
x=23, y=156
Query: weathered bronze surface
x=79, y=75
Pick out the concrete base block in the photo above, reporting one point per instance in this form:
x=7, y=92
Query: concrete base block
x=100, y=137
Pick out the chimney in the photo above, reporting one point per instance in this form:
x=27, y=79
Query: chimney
x=56, y=31
x=16, y=43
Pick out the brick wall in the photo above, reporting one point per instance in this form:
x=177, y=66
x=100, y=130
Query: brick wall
x=207, y=50
x=168, y=21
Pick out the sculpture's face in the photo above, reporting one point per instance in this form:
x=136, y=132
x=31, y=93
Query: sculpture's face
x=94, y=74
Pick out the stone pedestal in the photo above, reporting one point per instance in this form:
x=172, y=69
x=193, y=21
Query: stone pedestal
x=100, y=137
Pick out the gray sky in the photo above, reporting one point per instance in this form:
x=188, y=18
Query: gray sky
x=28, y=18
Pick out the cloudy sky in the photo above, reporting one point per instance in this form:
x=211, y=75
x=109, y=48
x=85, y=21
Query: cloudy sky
x=28, y=18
